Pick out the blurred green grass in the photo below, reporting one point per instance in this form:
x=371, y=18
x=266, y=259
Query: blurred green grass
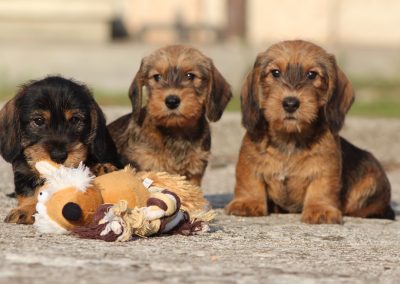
x=106, y=98
x=374, y=97
x=378, y=108
x=103, y=97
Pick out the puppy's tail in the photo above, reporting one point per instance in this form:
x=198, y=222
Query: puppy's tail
x=12, y=195
x=388, y=213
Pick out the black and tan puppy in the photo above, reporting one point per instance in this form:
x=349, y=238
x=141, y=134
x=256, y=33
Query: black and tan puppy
x=292, y=158
x=51, y=119
x=171, y=132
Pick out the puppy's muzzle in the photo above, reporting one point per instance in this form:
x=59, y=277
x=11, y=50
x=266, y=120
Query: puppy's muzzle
x=59, y=154
x=172, y=101
x=291, y=104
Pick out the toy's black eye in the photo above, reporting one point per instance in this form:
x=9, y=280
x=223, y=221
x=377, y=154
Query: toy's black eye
x=75, y=120
x=311, y=75
x=157, y=77
x=190, y=76
x=276, y=73
x=41, y=193
x=39, y=121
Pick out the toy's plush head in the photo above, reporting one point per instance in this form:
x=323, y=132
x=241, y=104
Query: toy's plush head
x=68, y=198
x=71, y=196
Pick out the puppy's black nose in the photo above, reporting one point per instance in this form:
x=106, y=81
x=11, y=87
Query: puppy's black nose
x=172, y=101
x=290, y=104
x=58, y=155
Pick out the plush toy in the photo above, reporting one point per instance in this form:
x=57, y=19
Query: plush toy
x=119, y=205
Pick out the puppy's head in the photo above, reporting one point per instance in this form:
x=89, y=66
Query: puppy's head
x=292, y=85
x=52, y=119
x=182, y=86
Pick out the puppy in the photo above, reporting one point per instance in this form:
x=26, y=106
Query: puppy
x=171, y=131
x=51, y=119
x=292, y=159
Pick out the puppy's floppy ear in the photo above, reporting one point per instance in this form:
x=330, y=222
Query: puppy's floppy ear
x=101, y=145
x=252, y=117
x=341, y=98
x=135, y=93
x=219, y=94
x=10, y=131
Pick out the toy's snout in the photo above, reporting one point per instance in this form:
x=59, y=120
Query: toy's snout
x=72, y=211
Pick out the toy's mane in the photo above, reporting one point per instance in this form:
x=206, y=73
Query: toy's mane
x=79, y=178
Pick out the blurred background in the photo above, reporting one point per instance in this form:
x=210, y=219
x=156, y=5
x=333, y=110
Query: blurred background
x=101, y=42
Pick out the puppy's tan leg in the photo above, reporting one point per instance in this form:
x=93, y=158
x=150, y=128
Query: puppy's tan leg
x=23, y=213
x=250, y=194
x=321, y=203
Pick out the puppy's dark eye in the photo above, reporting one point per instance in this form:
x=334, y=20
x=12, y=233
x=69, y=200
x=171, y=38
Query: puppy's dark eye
x=276, y=73
x=157, y=77
x=39, y=121
x=75, y=120
x=190, y=76
x=311, y=75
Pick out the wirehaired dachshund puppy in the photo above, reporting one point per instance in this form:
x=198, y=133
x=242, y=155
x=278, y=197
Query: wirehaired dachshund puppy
x=292, y=158
x=171, y=132
x=51, y=119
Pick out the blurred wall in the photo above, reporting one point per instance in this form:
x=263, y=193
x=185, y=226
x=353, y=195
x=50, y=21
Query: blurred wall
x=345, y=22
x=342, y=22
x=160, y=20
x=56, y=20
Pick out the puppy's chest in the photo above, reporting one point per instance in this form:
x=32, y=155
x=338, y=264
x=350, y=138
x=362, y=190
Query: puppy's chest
x=287, y=177
x=172, y=155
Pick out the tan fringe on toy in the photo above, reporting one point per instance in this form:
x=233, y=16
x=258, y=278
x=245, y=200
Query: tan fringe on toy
x=192, y=199
x=135, y=224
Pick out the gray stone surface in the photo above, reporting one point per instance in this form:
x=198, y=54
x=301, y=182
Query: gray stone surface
x=273, y=249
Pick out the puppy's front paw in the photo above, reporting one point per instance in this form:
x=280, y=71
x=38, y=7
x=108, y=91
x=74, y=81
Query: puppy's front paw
x=21, y=215
x=101, y=169
x=319, y=214
x=246, y=207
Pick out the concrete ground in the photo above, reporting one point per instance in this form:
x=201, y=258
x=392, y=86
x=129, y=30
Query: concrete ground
x=273, y=249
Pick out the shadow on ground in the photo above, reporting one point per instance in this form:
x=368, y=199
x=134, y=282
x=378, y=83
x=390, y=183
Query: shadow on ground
x=219, y=201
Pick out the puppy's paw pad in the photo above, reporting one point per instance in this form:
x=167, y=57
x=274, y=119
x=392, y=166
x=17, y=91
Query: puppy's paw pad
x=101, y=169
x=246, y=208
x=322, y=215
x=20, y=216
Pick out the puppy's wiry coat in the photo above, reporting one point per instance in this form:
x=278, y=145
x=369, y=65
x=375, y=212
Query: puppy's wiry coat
x=51, y=119
x=292, y=159
x=171, y=131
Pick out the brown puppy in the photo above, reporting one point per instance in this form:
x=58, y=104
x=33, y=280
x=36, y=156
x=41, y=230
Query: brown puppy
x=292, y=159
x=51, y=119
x=171, y=132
